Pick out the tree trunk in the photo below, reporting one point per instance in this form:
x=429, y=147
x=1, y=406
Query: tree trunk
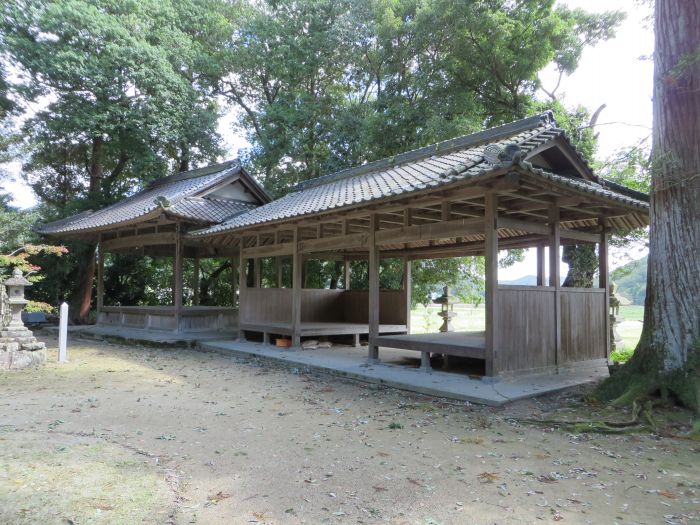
x=672, y=317
x=667, y=356
x=583, y=264
x=96, y=173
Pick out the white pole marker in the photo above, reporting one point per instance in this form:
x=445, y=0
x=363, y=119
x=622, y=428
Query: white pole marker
x=63, y=334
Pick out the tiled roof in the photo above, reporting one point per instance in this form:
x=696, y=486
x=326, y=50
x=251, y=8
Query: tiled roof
x=207, y=209
x=172, y=193
x=429, y=167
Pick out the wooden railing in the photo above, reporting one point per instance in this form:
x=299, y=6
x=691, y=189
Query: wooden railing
x=193, y=318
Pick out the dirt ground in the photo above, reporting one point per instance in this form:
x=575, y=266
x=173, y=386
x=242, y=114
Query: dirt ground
x=143, y=435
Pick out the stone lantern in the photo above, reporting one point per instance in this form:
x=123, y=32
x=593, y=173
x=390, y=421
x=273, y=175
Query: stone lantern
x=15, y=301
x=446, y=302
x=18, y=346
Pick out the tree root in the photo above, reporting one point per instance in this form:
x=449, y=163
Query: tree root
x=642, y=420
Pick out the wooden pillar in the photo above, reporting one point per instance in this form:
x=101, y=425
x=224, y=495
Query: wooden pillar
x=540, y=266
x=604, y=282
x=373, y=293
x=296, y=289
x=278, y=268
x=234, y=281
x=407, y=287
x=242, y=285
x=256, y=272
x=346, y=273
x=491, y=278
x=195, y=282
x=555, y=277
x=100, y=279
x=178, y=279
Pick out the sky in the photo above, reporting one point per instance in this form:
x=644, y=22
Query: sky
x=614, y=73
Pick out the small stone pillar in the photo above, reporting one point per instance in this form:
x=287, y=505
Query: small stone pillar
x=18, y=346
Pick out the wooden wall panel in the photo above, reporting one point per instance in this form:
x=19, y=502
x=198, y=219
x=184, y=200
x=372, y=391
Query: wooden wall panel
x=392, y=306
x=323, y=306
x=524, y=337
x=266, y=304
x=583, y=326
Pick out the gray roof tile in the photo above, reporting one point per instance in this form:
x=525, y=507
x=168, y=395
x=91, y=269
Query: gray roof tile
x=175, y=191
x=432, y=166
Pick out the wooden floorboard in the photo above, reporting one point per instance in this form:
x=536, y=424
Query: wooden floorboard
x=462, y=344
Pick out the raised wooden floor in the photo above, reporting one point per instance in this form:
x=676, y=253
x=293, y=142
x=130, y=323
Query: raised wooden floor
x=322, y=329
x=462, y=344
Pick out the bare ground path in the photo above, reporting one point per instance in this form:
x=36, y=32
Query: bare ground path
x=141, y=435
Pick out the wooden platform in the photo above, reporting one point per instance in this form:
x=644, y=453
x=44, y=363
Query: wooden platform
x=322, y=329
x=462, y=344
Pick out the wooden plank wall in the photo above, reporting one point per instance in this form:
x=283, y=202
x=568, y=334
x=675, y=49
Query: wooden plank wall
x=323, y=306
x=266, y=304
x=351, y=306
x=583, y=326
x=524, y=337
x=392, y=306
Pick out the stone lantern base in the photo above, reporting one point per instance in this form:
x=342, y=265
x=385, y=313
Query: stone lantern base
x=20, y=349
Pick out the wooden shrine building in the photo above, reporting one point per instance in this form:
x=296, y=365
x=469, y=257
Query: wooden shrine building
x=520, y=185
x=154, y=222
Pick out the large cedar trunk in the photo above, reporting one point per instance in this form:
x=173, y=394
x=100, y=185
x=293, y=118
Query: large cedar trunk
x=583, y=263
x=672, y=315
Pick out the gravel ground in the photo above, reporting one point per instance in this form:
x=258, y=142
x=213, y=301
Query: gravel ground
x=142, y=435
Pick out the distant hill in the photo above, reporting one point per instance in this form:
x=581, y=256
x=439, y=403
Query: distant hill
x=631, y=280
x=527, y=280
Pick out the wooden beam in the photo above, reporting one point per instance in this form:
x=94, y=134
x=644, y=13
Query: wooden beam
x=491, y=282
x=373, y=293
x=509, y=223
x=137, y=241
x=579, y=236
x=428, y=232
x=354, y=240
x=296, y=290
x=242, y=285
x=269, y=250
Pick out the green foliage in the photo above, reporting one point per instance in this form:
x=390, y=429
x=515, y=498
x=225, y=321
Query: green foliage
x=324, y=84
x=622, y=356
x=631, y=280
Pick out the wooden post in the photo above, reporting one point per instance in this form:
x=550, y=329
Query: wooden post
x=242, y=285
x=555, y=278
x=604, y=282
x=346, y=273
x=178, y=277
x=407, y=285
x=373, y=353
x=540, y=266
x=296, y=290
x=100, y=280
x=234, y=282
x=256, y=272
x=278, y=262
x=195, y=282
x=491, y=277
